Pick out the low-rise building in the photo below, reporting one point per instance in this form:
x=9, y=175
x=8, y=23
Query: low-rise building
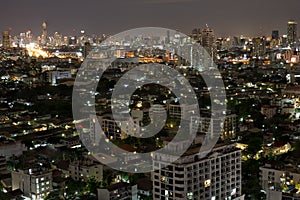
x=83, y=170
x=35, y=183
x=118, y=191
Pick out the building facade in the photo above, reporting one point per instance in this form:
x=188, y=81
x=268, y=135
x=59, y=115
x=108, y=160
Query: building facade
x=280, y=182
x=83, y=170
x=6, y=39
x=292, y=32
x=217, y=176
x=34, y=183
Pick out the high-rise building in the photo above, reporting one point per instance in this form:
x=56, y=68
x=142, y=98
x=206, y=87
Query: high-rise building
x=259, y=46
x=275, y=41
x=6, y=39
x=208, y=39
x=44, y=34
x=87, y=49
x=275, y=35
x=292, y=32
x=216, y=176
x=196, y=35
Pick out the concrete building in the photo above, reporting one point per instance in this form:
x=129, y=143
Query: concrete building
x=6, y=39
x=111, y=129
x=217, y=176
x=228, y=127
x=208, y=39
x=268, y=111
x=54, y=76
x=292, y=32
x=35, y=183
x=83, y=170
x=196, y=35
x=279, y=181
x=9, y=148
x=118, y=191
x=181, y=111
x=44, y=37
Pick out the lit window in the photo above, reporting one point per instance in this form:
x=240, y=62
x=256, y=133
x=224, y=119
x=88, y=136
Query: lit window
x=207, y=183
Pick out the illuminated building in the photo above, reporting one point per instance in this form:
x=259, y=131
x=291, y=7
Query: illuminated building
x=87, y=49
x=275, y=39
x=35, y=183
x=292, y=32
x=217, y=176
x=6, y=39
x=284, y=40
x=279, y=182
x=268, y=111
x=57, y=39
x=44, y=34
x=83, y=170
x=259, y=46
x=54, y=76
x=111, y=129
x=72, y=41
x=208, y=39
x=120, y=190
x=196, y=35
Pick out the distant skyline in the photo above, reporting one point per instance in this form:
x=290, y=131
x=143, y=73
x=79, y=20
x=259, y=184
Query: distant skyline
x=227, y=18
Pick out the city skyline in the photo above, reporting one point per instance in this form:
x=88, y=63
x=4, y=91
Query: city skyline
x=227, y=19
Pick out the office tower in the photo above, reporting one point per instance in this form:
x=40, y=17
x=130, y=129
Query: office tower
x=87, y=49
x=44, y=34
x=72, y=41
x=216, y=176
x=196, y=35
x=259, y=46
x=292, y=32
x=83, y=38
x=208, y=39
x=275, y=41
x=6, y=39
x=284, y=40
x=57, y=39
x=275, y=35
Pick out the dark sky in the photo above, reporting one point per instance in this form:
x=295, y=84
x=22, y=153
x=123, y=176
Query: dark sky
x=231, y=17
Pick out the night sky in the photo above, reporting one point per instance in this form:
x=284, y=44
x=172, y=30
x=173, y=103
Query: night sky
x=231, y=17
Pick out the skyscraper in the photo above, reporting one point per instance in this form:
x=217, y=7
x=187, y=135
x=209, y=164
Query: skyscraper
x=208, y=39
x=292, y=32
x=196, y=35
x=44, y=34
x=5, y=39
x=275, y=35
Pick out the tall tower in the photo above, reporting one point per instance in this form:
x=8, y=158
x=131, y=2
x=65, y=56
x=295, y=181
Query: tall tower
x=196, y=35
x=44, y=33
x=5, y=39
x=208, y=39
x=292, y=32
x=208, y=42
